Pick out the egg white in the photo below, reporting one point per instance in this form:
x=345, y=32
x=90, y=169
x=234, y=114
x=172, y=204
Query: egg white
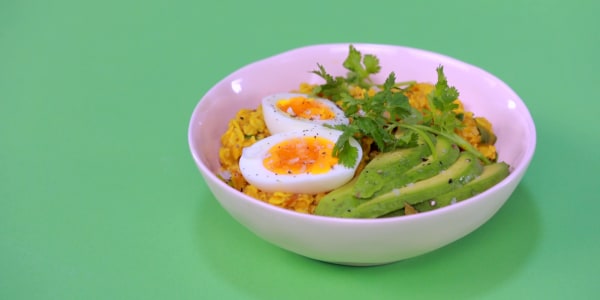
x=253, y=170
x=278, y=121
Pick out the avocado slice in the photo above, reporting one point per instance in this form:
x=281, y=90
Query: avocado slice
x=446, y=153
x=345, y=197
x=387, y=165
x=465, y=169
x=491, y=175
x=338, y=200
x=487, y=136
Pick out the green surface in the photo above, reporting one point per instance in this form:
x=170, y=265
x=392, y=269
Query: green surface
x=100, y=199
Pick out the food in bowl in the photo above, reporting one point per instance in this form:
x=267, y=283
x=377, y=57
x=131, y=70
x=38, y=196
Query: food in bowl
x=354, y=148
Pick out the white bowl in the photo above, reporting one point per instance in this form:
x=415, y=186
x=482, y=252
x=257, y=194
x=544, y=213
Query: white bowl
x=361, y=241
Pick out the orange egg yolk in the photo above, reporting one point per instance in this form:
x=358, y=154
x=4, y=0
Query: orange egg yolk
x=301, y=155
x=306, y=108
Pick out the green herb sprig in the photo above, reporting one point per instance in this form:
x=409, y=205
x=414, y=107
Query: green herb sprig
x=387, y=117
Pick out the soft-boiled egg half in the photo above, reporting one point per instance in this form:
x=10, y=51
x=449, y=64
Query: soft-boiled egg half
x=291, y=111
x=298, y=161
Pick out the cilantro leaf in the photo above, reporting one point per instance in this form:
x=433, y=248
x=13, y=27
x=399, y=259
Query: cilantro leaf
x=333, y=86
x=441, y=114
x=441, y=118
x=360, y=68
x=376, y=116
x=350, y=105
x=353, y=61
x=346, y=154
x=371, y=64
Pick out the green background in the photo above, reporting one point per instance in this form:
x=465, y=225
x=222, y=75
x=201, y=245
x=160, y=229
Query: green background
x=100, y=198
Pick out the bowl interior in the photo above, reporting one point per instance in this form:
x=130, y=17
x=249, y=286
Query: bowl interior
x=481, y=92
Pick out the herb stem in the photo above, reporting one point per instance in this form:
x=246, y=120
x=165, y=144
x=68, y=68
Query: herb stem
x=456, y=139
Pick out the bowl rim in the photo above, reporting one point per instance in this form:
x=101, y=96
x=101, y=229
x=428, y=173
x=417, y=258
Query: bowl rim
x=516, y=173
